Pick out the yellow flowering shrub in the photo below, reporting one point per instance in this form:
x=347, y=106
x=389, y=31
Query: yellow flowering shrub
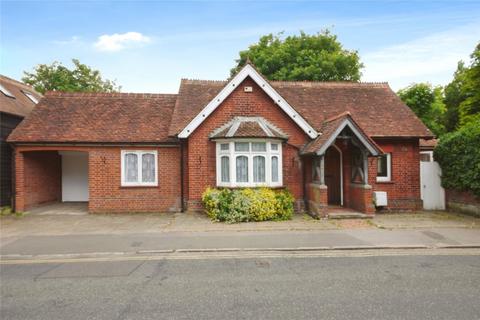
x=248, y=204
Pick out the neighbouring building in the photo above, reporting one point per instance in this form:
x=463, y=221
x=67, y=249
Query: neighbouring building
x=330, y=143
x=16, y=102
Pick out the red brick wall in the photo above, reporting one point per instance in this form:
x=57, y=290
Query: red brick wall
x=403, y=191
x=106, y=194
x=201, y=151
x=39, y=178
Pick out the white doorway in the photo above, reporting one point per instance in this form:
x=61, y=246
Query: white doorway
x=431, y=190
x=74, y=176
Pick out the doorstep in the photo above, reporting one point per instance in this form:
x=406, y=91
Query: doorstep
x=346, y=213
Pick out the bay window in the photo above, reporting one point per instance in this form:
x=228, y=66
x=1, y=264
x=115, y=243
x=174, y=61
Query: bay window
x=139, y=168
x=244, y=163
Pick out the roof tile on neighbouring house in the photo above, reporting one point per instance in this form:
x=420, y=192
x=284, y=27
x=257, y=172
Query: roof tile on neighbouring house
x=20, y=104
x=98, y=117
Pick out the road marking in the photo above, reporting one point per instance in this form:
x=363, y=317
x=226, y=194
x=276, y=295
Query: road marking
x=255, y=254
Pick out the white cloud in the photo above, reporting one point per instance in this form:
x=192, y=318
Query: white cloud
x=428, y=59
x=120, y=41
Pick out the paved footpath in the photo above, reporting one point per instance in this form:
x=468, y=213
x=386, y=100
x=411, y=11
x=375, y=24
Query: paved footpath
x=98, y=244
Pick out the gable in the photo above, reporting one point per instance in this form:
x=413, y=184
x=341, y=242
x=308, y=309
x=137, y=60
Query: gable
x=247, y=71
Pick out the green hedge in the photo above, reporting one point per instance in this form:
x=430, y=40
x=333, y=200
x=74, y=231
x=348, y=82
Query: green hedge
x=458, y=154
x=243, y=205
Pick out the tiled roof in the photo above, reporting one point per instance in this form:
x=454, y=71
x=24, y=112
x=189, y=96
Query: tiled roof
x=98, y=117
x=428, y=144
x=248, y=127
x=375, y=107
x=328, y=129
x=21, y=105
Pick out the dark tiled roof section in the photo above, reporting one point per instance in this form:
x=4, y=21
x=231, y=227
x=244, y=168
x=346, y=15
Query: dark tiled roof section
x=428, y=144
x=251, y=127
x=98, y=117
x=329, y=127
x=376, y=108
x=20, y=106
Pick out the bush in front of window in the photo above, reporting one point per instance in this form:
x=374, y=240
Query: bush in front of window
x=458, y=154
x=247, y=204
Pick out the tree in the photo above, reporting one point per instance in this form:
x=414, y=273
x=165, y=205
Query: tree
x=453, y=98
x=469, y=109
x=57, y=77
x=427, y=103
x=462, y=95
x=318, y=57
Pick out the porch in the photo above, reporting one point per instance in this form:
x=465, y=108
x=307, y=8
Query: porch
x=337, y=170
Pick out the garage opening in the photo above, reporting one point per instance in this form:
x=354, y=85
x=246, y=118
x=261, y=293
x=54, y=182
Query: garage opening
x=74, y=176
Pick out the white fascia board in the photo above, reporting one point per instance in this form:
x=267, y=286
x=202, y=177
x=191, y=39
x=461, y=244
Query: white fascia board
x=357, y=133
x=248, y=70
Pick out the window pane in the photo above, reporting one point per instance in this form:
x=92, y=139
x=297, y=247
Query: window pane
x=425, y=157
x=242, y=146
x=148, y=167
x=259, y=146
x=382, y=166
x=258, y=169
x=274, y=146
x=224, y=146
x=225, y=169
x=242, y=169
x=274, y=169
x=131, y=167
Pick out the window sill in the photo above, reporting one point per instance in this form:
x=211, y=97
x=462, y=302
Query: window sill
x=139, y=186
x=252, y=187
x=384, y=182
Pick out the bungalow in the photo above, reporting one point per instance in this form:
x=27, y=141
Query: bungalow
x=330, y=143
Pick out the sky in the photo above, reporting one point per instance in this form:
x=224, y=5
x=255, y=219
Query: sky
x=148, y=46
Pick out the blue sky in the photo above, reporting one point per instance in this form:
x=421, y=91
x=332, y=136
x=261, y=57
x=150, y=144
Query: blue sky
x=148, y=46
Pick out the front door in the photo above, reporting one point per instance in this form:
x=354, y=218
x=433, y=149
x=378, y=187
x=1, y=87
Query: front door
x=332, y=176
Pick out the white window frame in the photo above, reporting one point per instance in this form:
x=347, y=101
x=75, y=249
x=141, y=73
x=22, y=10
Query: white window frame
x=6, y=92
x=139, y=154
x=388, y=178
x=232, y=154
x=30, y=96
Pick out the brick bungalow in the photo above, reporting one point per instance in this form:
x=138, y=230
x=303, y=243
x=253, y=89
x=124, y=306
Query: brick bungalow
x=329, y=143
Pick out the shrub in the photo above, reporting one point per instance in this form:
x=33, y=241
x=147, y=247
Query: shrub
x=458, y=154
x=243, y=205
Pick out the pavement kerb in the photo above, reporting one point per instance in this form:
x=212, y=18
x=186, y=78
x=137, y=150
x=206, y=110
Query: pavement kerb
x=139, y=253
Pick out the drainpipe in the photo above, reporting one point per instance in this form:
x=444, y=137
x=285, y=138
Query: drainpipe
x=14, y=177
x=182, y=175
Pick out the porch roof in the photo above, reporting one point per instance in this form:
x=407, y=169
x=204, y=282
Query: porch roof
x=332, y=128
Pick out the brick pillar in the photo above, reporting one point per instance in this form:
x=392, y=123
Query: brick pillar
x=19, y=182
x=317, y=199
x=361, y=198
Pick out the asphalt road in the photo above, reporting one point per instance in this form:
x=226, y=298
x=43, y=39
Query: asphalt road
x=376, y=287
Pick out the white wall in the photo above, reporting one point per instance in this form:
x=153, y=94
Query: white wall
x=74, y=176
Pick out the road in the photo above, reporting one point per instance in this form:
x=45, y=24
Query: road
x=262, y=287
